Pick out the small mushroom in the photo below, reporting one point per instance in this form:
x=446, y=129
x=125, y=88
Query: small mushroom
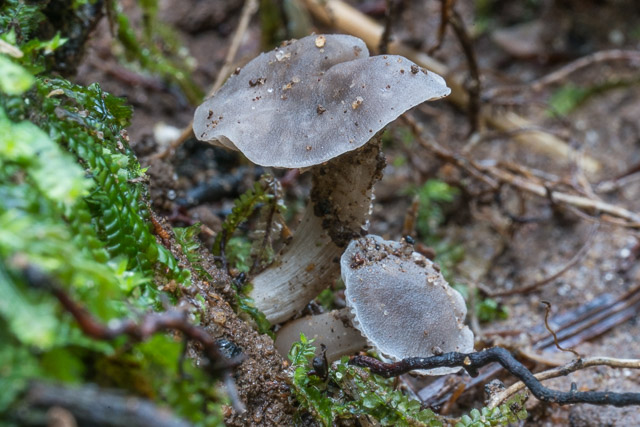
x=311, y=104
x=401, y=303
x=333, y=329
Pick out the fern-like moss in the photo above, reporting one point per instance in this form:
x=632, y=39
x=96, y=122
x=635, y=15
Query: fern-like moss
x=351, y=392
x=73, y=205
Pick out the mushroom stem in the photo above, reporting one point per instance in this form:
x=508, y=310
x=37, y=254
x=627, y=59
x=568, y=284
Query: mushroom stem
x=341, y=194
x=333, y=329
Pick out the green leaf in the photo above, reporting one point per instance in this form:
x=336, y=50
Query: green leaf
x=31, y=316
x=17, y=367
x=63, y=365
x=56, y=173
x=566, y=99
x=14, y=80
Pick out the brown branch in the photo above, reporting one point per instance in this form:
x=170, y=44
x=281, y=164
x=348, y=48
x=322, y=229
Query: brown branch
x=572, y=67
x=552, y=332
x=445, y=11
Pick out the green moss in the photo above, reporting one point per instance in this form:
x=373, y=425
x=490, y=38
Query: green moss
x=73, y=205
x=350, y=392
x=157, y=49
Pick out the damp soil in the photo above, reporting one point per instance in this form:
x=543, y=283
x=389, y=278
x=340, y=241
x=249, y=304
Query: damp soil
x=508, y=243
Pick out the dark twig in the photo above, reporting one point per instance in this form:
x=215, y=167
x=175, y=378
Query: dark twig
x=552, y=332
x=574, y=327
x=141, y=330
x=445, y=11
x=274, y=187
x=389, y=16
x=518, y=219
x=93, y=406
x=471, y=362
x=560, y=371
x=223, y=256
x=449, y=16
x=473, y=83
x=265, y=239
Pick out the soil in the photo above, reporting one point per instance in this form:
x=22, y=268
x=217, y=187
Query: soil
x=199, y=182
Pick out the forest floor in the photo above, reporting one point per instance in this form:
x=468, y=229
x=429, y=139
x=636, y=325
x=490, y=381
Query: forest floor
x=510, y=238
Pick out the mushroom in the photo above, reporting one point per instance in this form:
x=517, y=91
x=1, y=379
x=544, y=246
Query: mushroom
x=397, y=299
x=315, y=103
x=401, y=303
x=333, y=329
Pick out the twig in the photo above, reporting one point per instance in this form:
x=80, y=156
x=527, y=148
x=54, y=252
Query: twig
x=628, y=176
x=494, y=175
x=250, y=7
x=90, y=405
x=572, y=67
x=445, y=10
x=566, y=70
x=574, y=327
x=389, y=15
x=471, y=362
x=409, y=223
x=584, y=203
x=598, y=322
x=515, y=219
x=473, y=83
x=275, y=188
x=497, y=399
x=540, y=283
x=552, y=332
x=461, y=161
x=148, y=325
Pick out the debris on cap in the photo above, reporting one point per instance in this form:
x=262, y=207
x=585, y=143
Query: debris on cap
x=401, y=303
x=311, y=100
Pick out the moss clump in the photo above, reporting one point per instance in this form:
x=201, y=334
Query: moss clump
x=73, y=206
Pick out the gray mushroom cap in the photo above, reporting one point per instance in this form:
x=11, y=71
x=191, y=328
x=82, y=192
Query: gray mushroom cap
x=401, y=302
x=311, y=100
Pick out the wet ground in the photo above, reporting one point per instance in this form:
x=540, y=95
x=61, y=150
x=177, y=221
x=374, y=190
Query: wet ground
x=502, y=251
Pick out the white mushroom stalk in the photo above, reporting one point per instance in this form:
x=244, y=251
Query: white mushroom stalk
x=304, y=105
x=340, y=203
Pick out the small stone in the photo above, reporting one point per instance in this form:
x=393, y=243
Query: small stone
x=218, y=317
x=320, y=41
